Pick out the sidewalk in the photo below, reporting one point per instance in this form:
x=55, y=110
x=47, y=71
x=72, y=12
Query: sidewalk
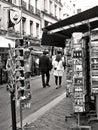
x=54, y=119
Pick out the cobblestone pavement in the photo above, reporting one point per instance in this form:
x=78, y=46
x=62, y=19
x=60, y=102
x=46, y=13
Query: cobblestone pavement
x=54, y=119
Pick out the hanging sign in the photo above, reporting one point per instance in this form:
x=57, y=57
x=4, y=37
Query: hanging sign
x=15, y=15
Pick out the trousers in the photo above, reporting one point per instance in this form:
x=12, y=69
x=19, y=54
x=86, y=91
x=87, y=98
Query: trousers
x=45, y=78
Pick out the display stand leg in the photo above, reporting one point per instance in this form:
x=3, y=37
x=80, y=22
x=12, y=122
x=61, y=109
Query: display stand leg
x=78, y=119
x=13, y=111
x=78, y=126
x=21, y=126
x=81, y=126
x=95, y=118
x=97, y=105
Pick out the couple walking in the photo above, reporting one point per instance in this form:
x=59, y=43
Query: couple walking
x=46, y=65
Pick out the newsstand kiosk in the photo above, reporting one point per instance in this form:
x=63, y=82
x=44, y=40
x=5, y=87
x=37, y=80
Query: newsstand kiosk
x=82, y=75
x=77, y=34
x=79, y=72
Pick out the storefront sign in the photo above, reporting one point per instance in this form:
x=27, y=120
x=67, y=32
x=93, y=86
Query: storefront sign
x=15, y=15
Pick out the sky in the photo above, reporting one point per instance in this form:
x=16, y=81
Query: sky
x=85, y=4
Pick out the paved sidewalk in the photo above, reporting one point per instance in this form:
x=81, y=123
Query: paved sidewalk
x=54, y=119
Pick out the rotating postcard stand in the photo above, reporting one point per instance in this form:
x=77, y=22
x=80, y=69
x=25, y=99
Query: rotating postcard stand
x=94, y=71
x=22, y=77
x=78, y=80
x=10, y=66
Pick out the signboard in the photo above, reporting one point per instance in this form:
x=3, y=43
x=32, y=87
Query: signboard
x=15, y=15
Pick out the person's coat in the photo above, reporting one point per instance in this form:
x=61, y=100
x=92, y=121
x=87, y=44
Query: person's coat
x=44, y=63
x=58, y=68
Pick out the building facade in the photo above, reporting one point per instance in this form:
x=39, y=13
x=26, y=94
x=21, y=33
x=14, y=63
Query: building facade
x=69, y=8
x=35, y=15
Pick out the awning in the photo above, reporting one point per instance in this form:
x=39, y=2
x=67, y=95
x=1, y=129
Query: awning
x=53, y=40
x=57, y=33
x=37, y=48
x=4, y=42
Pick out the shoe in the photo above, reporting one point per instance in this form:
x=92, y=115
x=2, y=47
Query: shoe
x=44, y=86
x=48, y=85
x=57, y=87
x=60, y=86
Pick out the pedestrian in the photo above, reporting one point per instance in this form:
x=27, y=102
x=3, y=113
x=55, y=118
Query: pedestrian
x=44, y=66
x=37, y=65
x=58, y=70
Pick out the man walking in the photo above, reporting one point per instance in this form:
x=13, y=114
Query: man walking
x=44, y=65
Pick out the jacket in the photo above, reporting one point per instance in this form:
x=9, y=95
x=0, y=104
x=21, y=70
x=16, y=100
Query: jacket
x=44, y=63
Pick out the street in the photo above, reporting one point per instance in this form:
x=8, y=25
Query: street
x=40, y=97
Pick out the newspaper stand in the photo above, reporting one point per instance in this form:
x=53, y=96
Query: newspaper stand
x=79, y=77
x=94, y=70
x=68, y=68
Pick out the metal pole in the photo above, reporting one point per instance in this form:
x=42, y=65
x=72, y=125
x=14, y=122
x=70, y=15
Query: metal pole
x=21, y=125
x=78, y=119
x=97, y=105
x=13, y=111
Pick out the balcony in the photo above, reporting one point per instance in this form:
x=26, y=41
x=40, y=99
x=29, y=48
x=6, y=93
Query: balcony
x=31, y=8
x=37, y=12
x=23, y=4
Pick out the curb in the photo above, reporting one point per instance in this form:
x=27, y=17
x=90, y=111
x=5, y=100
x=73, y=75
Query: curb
x=34, y=116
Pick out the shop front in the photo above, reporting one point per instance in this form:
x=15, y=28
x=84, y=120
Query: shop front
x=3, y=58
x=36, y=52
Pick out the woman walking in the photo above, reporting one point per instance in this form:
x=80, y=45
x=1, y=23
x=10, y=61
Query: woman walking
x=58, y=70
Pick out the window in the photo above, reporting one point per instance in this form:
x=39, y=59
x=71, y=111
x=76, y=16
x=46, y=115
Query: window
x=23, y=25
x=0, y=11
x=29, y=1
x=0, y=16
x=36, y=5
x=45, y=5
x=59, y=12
x=10, y=1
x=55, y=10
x=37, y=29
x=31, y=27
x=14, y=1
x=46, y=23
x=50, y=7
